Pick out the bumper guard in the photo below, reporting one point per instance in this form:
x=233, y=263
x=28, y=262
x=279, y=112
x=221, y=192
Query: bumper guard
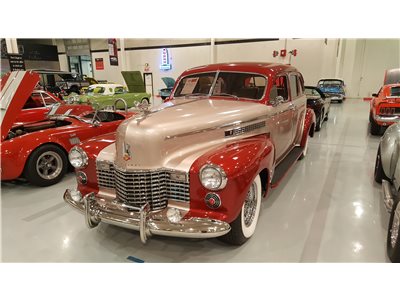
x=143, y=220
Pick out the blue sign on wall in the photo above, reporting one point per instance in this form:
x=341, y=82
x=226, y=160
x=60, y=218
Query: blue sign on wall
x=165, y=62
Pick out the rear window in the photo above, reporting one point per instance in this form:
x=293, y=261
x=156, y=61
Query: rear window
x=395, y=91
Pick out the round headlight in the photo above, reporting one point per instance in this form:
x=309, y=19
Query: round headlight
x=78, y=158
x=213, y=177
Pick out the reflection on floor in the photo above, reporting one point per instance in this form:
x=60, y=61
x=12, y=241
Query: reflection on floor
x=328, y=209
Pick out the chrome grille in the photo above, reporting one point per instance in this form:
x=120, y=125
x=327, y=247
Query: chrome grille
x=139, y=187
x=105, y=175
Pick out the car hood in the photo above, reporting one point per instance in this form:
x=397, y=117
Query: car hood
x=170, y=134
x=169, y=81
x=134, y=81
x=16, y=87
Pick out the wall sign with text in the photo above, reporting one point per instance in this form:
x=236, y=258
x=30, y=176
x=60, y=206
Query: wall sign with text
x=165, y=60
x=99, y=63
x=113, y=52
x=16, y=61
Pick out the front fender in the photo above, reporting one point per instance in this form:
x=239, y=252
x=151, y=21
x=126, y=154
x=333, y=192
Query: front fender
x=390, y=151
x=242, y=161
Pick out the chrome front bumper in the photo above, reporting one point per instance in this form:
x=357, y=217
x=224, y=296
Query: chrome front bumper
x=387, y=119
x=143, y=220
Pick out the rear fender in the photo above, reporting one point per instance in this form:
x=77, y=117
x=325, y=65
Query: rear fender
x=242, y=161
x=309, y=126
x=390, y=149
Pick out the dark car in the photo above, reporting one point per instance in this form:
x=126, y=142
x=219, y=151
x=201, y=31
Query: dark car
x=320, y=103
x=333, y=88
x=61, y=83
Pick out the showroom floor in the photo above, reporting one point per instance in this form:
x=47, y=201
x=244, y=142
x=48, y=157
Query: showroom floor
x=328, y=209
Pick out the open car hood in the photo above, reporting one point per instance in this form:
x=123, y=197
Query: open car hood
x=15, y=89
x=134, y=81
x=169, y=81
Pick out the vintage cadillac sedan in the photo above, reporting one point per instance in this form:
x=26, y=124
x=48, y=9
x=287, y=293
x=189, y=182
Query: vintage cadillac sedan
x=198, y=165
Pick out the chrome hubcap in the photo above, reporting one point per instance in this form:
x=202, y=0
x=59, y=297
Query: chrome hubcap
x=49, y=165
x=250, y=205
x=394, y=232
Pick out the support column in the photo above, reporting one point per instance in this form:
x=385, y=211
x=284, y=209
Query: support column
x=338, y=58
x=12, y=46
x=212, y=51
x=123, y=54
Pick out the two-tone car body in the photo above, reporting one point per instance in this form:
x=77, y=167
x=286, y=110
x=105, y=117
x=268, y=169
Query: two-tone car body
x=334, y=88
x=384, y=108
x=199, y=164
x=38, y=150
x=317, y=101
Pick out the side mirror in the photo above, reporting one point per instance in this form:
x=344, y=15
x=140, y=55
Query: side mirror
x=374, y=95
x=278, y=100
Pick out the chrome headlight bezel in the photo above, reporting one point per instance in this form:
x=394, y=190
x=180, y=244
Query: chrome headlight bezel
x=79, y=162
x=223, y=179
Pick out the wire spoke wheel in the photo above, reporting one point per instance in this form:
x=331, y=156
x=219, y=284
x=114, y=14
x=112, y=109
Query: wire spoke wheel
x=250, y=205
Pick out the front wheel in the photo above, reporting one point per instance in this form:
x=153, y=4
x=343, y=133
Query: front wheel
x=393, y=241
x=46, y=165
x=244, y=226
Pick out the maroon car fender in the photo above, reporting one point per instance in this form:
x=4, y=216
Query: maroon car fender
x=309, y=126
x=242, y=161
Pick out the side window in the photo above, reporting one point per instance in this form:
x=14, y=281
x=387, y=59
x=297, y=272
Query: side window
x=280, y=88
x=300, y=85
x=119, y=90
x=293, y=86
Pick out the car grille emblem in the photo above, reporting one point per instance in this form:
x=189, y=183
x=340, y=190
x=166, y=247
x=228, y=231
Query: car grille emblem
x=127, y=152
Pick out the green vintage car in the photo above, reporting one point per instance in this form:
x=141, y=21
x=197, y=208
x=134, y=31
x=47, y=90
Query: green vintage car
x=105, y=94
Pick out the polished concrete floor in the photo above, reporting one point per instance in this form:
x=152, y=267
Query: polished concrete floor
x=328, y=209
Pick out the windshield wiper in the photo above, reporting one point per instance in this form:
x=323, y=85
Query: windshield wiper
x=226, y=94
x=196, y=94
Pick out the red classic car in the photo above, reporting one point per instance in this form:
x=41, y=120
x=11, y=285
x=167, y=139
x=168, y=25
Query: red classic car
x=40, y=102
x=38, y=150
x=199, y=164
x=384, y=108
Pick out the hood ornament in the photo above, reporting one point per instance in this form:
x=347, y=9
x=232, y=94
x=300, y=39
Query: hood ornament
x=126, y=152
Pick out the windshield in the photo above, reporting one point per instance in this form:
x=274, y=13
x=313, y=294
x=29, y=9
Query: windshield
x=312, y=92
x=330, y=82
x=95, y=90
x=234, y=84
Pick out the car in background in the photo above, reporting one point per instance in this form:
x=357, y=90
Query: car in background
x=387, y=172
x=384, y=108
x=392, y=76
x=106, y=94
x=166, y=92
x=198, y=165
x=61, y=83
x=38, y=150
x=321, y=105
x=39, y=104
x=333, y=88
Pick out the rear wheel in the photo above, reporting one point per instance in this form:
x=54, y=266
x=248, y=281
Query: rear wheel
x=244, y=226
x=46, y=165
x=145, y=101
x=393, y=241
x=375, y=129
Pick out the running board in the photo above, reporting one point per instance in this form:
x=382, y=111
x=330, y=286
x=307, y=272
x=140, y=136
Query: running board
x=285, y=165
